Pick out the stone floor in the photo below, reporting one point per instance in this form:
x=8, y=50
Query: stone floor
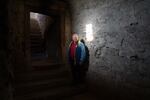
x=84, y=96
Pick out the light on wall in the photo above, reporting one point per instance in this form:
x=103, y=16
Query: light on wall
x=89, y=32
x=33, y=15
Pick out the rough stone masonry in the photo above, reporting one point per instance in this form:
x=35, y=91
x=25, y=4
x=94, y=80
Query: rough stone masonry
x=120, y=51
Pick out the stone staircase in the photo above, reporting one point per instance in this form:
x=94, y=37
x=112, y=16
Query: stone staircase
x=45, y=82
x=36, y=40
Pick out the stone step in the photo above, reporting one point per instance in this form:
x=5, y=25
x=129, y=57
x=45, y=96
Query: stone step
x=35, y=34
x=53, y=94
x=47, y=66
x=36, y=48
x=36, y=45
x=36, y=41
x=30, y=87
x=36, y=38
x=40, y=75
x=47, y=70
x=41, y=65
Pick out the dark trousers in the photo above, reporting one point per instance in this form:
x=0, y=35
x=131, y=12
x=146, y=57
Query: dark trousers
x=77, y=73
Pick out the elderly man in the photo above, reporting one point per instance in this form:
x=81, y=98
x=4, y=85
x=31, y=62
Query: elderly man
x=76, y=55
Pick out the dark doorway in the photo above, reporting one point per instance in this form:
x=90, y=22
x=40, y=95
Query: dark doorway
x=45, y=38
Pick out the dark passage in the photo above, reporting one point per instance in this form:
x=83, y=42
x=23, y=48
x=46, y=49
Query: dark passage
x=35, y=37
x=45, y=36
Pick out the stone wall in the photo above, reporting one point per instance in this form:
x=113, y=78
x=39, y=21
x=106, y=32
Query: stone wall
x=14, y=39
x=5, y=70
x=120, y=51
x=44, y=22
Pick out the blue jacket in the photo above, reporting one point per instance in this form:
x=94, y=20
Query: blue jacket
x=80, y=53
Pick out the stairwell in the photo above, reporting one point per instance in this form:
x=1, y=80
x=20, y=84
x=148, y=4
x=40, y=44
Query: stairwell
x=46, y=81
x=36, y=40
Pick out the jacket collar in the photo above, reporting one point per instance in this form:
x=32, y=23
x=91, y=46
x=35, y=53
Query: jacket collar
x=72, y=42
